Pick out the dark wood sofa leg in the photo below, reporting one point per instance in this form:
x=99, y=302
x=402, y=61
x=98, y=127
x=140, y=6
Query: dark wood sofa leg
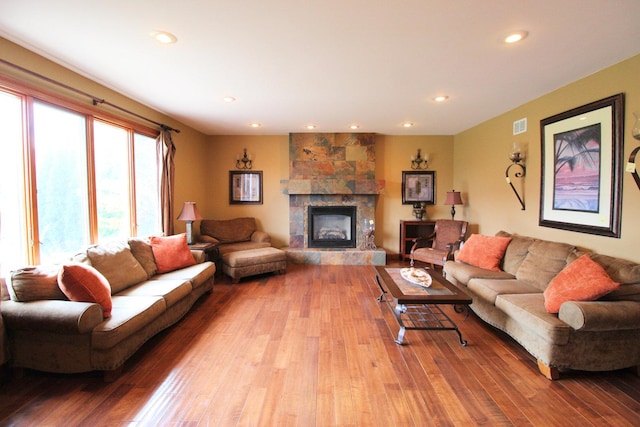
x=551, y=372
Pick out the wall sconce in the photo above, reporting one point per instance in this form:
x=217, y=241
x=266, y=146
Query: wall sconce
x=517, y=157
x=189, y=214
x=631, y=164
x=417, y=161
x=453, y=198
x=245, y=162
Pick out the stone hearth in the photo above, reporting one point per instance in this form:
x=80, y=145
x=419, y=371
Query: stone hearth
x=331, y=170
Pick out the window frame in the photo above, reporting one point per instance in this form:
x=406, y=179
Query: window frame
x=30, y=94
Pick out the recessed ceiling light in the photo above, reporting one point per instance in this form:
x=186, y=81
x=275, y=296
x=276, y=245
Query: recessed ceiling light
x=255, y=125
x=310, y=126
x=407, y=124
x=164, y=37
x=441, y=98
x=516, y=36
x=229, y=99
x=354, y=127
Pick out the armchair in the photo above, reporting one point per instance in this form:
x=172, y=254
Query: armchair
x=447, y=236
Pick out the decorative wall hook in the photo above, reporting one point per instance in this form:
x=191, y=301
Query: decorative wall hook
x=516, y=157
x=245, y=162
x=417, y=161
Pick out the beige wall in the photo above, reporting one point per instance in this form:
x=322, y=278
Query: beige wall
x=271, y=155
x=481, y=157
x=472, y=162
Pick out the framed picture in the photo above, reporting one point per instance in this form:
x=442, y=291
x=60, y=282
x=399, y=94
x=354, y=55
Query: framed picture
x=581, y=178
x=245, y=187
x=418, y=187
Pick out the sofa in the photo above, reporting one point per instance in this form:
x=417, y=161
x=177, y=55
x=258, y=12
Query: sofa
x=95, y=312
x=232, y=235
x=546, y=296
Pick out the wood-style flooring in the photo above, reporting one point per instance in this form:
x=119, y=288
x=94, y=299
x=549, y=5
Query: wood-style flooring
x=313, y=347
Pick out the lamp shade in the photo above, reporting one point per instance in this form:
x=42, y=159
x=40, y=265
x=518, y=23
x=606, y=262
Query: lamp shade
x=453, y=198
x=189, y=212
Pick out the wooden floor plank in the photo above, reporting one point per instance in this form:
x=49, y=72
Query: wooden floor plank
x=315, y=347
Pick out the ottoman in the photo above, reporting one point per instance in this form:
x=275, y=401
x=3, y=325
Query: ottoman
x=245, y=263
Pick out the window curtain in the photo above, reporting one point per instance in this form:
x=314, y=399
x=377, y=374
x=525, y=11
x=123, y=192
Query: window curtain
x=165, y=152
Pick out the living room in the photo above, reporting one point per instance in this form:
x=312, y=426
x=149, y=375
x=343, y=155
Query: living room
x=472, y=162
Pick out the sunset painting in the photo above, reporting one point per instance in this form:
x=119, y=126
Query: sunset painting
x=577, y=169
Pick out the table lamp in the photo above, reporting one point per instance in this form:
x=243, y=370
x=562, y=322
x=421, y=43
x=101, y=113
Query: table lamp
x=189, y=214
x=453, y=199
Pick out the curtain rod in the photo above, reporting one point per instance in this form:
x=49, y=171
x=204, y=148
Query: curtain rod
x=94, y=99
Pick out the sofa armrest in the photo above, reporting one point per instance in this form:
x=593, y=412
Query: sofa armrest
x=601, y=315
x=199, y=256
x=260, y=236
x=208, y=239
x=52, y=316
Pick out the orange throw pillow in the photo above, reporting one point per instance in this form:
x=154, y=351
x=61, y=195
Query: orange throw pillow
x=83, y=283
x=484, y=251
x=582, y=280
x=171, y=252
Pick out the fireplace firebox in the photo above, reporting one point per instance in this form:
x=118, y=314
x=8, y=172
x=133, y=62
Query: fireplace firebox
x=331, y=226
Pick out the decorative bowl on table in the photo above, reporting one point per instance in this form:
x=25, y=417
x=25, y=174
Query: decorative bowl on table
x=417, y=276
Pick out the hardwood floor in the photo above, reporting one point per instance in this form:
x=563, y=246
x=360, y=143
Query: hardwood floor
x=314, y=347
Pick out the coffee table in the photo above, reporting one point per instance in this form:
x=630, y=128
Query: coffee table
x=418, y=307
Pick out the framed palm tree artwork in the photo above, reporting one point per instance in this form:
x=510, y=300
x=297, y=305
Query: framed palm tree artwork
x=581, y=179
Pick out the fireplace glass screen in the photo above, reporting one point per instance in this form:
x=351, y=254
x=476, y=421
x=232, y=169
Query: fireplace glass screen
x=332, y=227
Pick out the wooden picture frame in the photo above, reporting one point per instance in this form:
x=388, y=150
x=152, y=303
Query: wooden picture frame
x=581, y=178
x=245, y=187
x=418, y=186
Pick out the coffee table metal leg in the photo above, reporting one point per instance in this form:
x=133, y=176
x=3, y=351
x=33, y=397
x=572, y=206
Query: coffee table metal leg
x=399, y=309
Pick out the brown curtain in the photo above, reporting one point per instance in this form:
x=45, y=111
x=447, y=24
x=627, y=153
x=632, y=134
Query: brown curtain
x=165, y=152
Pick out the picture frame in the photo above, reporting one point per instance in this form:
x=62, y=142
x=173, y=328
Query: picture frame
x=418, y=186
x=245, y=187
x=581, y=177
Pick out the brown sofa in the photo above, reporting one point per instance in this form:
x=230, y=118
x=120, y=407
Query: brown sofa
x=48, y=332
x=231, y=235
x=598, y=335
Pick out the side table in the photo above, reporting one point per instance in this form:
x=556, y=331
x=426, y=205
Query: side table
x=211, y=252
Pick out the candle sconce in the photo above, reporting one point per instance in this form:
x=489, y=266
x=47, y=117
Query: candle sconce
x=418, y=162
x=631, y=164
x=517, y=157
x=244, y=162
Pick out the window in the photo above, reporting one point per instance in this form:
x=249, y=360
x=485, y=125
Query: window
x=79, y=178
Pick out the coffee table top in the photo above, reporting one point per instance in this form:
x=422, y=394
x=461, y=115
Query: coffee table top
x=403, y=291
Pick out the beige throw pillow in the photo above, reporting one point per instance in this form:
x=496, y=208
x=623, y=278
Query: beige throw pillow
x=35, y=283
x=116, y=262
x=142, y=251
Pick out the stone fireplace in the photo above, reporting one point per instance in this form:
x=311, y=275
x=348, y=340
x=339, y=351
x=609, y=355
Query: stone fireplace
x=331, y=170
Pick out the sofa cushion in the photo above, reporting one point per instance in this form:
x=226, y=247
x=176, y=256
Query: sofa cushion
x=35, y=283
x=459, y=272
x=229, y=230
x=171, y=252
x=528, y=310
x=484, y=251
x=197, y=274
x=130, y=316
x=543, y=262
x=582, y=280
x=516, y=251
x=141, y=250
x=116, y=262
x=83, y=283
x=171, y=290
x=489, y=289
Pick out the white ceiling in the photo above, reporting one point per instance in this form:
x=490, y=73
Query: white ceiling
x=377, y=63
